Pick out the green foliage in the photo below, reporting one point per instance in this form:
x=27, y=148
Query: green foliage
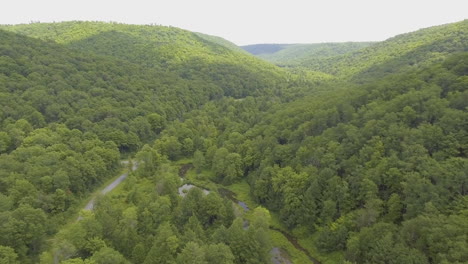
x=372, y=155
x=8, y=255
x=108, y=256
x=199, y=58
x=373, y=159
x=293, y=55
x=192, y=253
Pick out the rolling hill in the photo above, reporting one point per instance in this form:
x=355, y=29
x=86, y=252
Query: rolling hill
x=188, y=54
x=398, y=53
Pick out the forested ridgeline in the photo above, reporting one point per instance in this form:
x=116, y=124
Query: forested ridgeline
x=192, y=56
x=373, y=170
x=295, y=55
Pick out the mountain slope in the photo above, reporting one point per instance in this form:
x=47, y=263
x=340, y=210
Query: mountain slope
x=68, y=113
x=221, y=41
x=297, y=54
x=396, y=54
x=164, y=48
x=383, y=163
x=373, y=170
x=399, y=53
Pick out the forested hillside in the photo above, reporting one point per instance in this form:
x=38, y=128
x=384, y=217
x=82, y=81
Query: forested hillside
x=238, y=161
x=190, y=55
x=68, y=113
x=293, y=55
x=397, y=54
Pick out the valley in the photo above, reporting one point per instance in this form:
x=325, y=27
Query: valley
x=325, y=153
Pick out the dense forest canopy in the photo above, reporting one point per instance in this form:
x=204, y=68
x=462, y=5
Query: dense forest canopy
x=355, y=153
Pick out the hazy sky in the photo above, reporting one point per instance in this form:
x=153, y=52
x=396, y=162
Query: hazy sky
x=253, y=21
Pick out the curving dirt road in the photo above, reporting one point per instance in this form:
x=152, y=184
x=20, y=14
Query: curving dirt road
x=90, y=205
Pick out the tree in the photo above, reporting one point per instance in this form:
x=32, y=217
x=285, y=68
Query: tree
x=187, y=147
x=243, y=244
x=156, y=121
x=191, y=254
x=139, y=253
x=164, y=247
x=29, y=227
x=219, y=162
x=218, y=253
x=8, y=256
x=198, y=161
x=211, y=210
x=108, y=256
x=5, y=142
x=234, y=168
x=377, y=244
x=394, y=209
x=149, y=160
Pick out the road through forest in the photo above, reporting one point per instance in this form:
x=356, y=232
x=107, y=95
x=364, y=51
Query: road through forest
x=90, y=205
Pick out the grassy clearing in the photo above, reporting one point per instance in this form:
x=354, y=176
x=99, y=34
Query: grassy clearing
x=242, y=191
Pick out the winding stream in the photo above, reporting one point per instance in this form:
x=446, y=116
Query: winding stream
x=232, y=196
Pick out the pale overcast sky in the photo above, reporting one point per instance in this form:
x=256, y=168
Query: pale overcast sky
x=253, y=21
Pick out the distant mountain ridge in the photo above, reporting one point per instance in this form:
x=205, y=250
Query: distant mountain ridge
x=259, y=49
x=295, y=54
x=346, y=59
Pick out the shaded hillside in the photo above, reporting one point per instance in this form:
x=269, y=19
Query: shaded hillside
x=166, y=48
x=81, y=89
x=221, y=41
